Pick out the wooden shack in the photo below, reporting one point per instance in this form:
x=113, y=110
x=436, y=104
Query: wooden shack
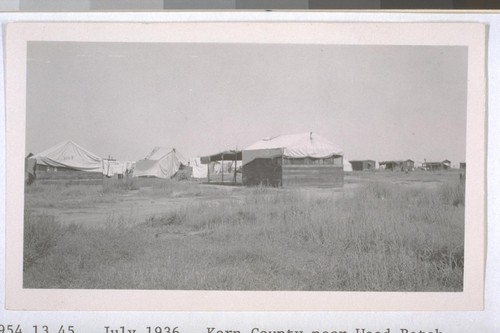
x=363, y=165
x=392, y=165
x=408, y=165
x=437, y=166
x=399, y=165
x=304, y=159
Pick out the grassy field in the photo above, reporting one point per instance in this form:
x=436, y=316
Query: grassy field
x=384, y=231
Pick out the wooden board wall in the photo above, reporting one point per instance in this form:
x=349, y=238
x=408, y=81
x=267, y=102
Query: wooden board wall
x=313, y=175
x=263, y=171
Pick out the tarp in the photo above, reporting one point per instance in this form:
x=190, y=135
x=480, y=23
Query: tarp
x=199, y=169
x=162, y=162
x=297, y=146
x=69, y=155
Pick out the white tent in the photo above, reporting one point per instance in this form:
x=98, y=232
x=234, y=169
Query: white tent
x=293, y=146
x=199, y=170
x=69, y=155
x=162, y=162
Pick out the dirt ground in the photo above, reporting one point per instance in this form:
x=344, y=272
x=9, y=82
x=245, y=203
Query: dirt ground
x=136, y=206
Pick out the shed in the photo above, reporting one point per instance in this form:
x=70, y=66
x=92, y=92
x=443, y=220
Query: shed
x=392, y=165
x=363, y=165
x=408, y=165
x=437, y=166
x=304, y=159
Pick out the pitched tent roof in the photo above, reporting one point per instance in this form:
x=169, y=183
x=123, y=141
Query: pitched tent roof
x=161, y=162
x=300, y=145
x=69, y=155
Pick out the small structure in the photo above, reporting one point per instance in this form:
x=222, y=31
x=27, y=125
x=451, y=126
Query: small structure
x=225, y=162
x=391, y=165
x=398, y=165
x=408, y=165
x=463, y=166
x=437, y=166
x=446, y=165
x=363, y=165
x=305, y=159
x=161, y=162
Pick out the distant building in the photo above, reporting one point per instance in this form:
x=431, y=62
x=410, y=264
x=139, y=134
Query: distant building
x=408, y=165
x=437, y=166
x=463, y=165
x=391, y=165
x=363, y=165
x=398, y=165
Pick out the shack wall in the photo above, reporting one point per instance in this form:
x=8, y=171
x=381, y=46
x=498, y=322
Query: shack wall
x=313, y=175
x=263, y=171
x=363, y=165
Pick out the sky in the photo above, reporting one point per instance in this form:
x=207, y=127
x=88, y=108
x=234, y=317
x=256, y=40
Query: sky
x=123, y=99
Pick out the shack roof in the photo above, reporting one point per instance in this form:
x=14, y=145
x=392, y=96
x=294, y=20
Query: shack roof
x=228, y=155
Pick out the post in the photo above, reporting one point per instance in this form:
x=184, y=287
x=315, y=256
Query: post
x=235, y=166
x=208, y=170
x=222, y=168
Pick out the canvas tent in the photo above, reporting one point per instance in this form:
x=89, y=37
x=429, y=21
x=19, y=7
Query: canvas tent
x=297, y=159
x=69, y=155
x=162, y=162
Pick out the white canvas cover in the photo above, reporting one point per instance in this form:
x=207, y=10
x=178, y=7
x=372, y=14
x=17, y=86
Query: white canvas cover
x=199, y=169
x=298, y=146
x=69, y=155
x=162, y=162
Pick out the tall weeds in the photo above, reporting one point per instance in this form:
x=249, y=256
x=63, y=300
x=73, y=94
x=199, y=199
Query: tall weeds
x=381, y=237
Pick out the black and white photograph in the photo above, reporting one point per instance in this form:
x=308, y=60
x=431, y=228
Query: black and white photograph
x=212, y=165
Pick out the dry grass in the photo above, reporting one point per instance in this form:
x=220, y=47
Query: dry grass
x=382, y=237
